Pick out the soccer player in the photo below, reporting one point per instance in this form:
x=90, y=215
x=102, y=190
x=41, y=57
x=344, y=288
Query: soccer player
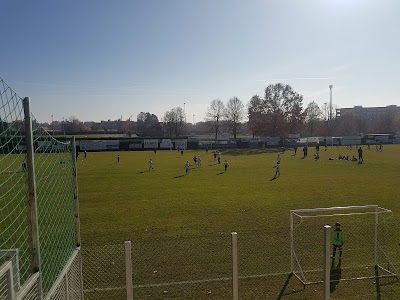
x=187, y=167
x=151, y=165
x=226, y=165
x=219, y=157
x=85, y=154
x=198, y=161
x=118, y=158
x=278, y=168
x=317, y=154
x=337, y=240
x=360, y=157
x=24, y=168
x=278, y=159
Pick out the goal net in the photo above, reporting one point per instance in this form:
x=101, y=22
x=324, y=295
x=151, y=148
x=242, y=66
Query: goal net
x=366, y=249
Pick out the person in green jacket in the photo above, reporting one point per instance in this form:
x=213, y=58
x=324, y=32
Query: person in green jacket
x=337, y=240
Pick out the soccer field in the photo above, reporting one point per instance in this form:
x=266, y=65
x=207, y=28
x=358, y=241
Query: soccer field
x=172, y=213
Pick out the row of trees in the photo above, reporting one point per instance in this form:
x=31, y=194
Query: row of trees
x=278, y=112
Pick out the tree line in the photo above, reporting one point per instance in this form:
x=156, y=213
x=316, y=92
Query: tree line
x=278, y=112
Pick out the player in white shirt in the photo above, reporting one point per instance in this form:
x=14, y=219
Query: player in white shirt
x=151, y=165
x=198, y=161
x=187, y=167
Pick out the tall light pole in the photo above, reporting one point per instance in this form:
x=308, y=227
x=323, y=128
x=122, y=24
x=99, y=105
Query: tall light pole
x=184, y=111
x=193, y=119
x=52, y=124
x=330, y=103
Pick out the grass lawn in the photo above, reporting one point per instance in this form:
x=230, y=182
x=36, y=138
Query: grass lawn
x=180, y=225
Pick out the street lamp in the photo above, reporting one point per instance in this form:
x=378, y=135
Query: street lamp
x=52, y=124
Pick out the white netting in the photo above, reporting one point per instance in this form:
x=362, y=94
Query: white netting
x=363, y=248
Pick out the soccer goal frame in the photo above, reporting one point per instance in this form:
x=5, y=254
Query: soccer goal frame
x=372, y=212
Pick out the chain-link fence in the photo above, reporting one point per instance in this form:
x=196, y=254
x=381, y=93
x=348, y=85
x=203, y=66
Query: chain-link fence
x=38, y=197
x=200, y=267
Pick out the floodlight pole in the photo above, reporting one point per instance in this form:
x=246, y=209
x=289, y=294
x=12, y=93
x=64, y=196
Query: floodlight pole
x=330, y=103
x=30, y=162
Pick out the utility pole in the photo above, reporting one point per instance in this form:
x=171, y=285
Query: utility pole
x=330, y=103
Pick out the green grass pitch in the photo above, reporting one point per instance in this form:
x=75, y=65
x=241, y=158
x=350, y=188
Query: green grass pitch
x=169, y=213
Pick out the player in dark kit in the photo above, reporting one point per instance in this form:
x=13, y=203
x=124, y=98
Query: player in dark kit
x=360, y=155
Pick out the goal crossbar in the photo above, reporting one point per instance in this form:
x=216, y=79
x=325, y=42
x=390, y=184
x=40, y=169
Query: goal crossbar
x=339, y=208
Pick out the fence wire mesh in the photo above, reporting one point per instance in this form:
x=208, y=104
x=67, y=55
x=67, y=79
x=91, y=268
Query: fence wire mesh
x=183, y=267
x=32, y=294
x=104, y=270
x=15, y=229
x=200, y=267
x=55, y=191
x=4, y=288
x=54, y=165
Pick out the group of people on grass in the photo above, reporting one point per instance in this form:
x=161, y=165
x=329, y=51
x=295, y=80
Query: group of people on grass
x=196, y=160
x=217, y=156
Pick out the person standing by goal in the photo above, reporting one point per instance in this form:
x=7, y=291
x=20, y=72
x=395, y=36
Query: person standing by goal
x=337, y=240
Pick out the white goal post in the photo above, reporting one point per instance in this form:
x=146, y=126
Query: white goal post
x=366, y=248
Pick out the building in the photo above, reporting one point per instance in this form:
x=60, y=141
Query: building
x=370, y=113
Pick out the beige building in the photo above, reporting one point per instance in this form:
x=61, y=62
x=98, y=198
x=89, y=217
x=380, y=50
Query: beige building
x=371, y=113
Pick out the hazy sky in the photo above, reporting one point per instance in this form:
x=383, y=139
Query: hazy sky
x=98, y=59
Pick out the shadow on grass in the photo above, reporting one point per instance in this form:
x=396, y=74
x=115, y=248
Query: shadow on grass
x=179, y=176
x=284, y=291
x=379, y=284
x=273, y=178
x=220, y=173
x=235, y=152
x=212, y=165
x=142, y=172
x=336, y=274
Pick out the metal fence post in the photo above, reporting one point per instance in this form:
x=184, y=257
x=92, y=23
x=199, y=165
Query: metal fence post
x=76, y=210
x=30, y=150
x=75, y=176
x=235, y=271
x=327, y=262
x=10, y=283
x=128, y=268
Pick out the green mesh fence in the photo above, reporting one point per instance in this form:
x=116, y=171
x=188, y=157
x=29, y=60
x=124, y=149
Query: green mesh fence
x=15, y=230
x=55, y=198
x=54, y=172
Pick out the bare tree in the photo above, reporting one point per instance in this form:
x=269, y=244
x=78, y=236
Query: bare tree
x=313, y=116
x=215, y=113
x=234, y=114
x=174, y=122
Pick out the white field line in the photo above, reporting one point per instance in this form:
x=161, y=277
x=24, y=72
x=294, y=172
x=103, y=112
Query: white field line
x=183, y=282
